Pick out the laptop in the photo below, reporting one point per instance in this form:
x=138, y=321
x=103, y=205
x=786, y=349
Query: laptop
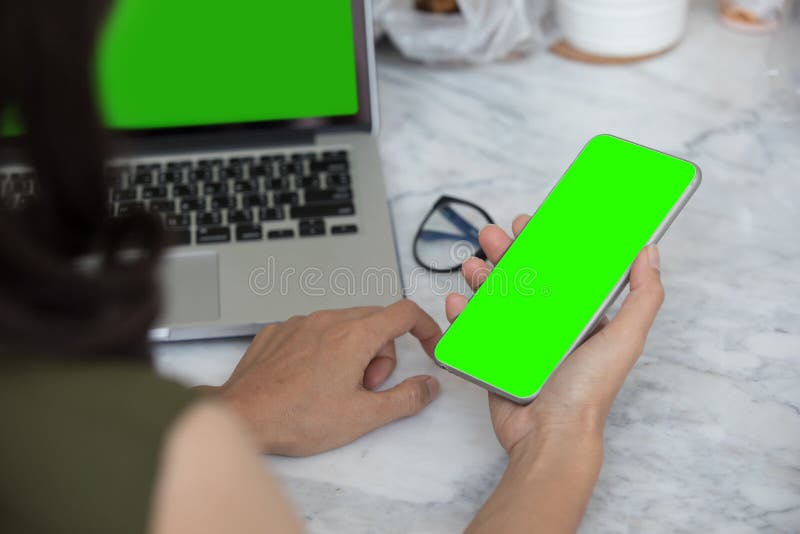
x=250, y=128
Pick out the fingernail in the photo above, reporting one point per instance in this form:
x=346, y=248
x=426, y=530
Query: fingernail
x=433, y=387
x=653, y=257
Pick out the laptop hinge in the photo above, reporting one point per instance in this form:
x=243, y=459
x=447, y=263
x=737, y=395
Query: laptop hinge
x=218, y=140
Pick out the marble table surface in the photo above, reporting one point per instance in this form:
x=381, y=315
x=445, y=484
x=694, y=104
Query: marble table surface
x=705, y=435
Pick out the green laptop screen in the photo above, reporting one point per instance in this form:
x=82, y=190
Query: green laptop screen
x=174, y=63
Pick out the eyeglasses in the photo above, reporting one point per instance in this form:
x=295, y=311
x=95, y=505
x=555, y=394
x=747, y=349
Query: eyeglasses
x=449, y=235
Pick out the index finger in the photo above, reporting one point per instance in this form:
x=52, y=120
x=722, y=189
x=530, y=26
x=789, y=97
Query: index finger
x=404, y=316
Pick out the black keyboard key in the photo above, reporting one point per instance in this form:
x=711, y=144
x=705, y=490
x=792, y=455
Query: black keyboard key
x=143, y=178
x=240, y=216
x=309, y=182
x=323, y=210
x=223, y=203
x=203, y=173
x=184, y=190
x=257, y=171
x=162, y=206
x=179, y=165
x=344, y=229
x=244, y=186
x=192, y=204
x=126, y=208
x=337, y=167
x=234, y=172
x=118, y=174
x=171, y=177
x=334, y=154
x=209, y=218
x=215, y=188
x=338, y=180
x=254, y=201
x=276, y=183
x=295, y=167
x=329, y=195
x=312, y=227
x=331, y=166
x=124, y=195
x=211, y=234
x=178, y=237
x=178, y=221
x=158, y=191
x=280, y=234
x=248, y=232
x=286, y=197
x=271, y=214
x=209, y=163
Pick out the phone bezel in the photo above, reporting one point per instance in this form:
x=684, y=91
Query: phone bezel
x=615, y=292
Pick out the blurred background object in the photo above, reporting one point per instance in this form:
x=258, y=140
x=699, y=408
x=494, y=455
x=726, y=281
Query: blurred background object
x=783, y=64
x=437, y=6
x=463, y=31
x=752, y=15
x=598, y=30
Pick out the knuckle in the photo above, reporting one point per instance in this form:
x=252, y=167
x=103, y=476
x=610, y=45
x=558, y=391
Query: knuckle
x=320, y=316
x=408, y=305
x=265, y=333
x=267, y=330
x=295, y=319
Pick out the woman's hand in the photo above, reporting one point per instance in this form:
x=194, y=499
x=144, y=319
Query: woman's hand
x=306, y=385
x=577, y=398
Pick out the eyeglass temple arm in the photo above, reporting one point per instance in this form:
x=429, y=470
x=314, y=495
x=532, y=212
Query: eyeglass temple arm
x=435, y=235
x=459, y=222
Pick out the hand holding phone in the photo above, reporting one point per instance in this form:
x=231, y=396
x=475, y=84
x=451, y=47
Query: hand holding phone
x=552, y=286
x=577, y=398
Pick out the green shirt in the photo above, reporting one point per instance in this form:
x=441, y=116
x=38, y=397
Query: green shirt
x=80, y=445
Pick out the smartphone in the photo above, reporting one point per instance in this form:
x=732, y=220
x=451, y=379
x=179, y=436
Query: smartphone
x=566, y=267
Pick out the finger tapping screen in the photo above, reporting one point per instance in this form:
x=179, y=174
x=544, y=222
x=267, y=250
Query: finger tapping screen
x=173, y=63
x=565, y=264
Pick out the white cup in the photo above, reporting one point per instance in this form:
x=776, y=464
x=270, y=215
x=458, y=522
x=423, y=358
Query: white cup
x=622, y=28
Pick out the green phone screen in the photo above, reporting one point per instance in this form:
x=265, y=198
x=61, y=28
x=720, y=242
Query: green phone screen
x=559, y=273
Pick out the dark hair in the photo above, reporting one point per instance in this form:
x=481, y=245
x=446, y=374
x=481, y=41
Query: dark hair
x=66, y=291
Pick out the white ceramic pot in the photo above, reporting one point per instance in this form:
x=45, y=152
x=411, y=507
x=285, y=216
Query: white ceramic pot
x=622, y=28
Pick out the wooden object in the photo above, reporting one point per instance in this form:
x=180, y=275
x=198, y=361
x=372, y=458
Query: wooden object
x=564, y=49
x=437, y=6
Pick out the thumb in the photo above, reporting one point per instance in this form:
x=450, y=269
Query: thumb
x=407, y=398
x=633, y=321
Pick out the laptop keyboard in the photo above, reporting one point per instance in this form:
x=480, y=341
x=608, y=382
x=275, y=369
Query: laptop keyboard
x=238, y=199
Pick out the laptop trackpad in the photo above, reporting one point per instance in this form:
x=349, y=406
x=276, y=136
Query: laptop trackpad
x=190, y=286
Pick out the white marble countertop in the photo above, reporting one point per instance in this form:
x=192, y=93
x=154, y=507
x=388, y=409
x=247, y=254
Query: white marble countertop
x=705, y=435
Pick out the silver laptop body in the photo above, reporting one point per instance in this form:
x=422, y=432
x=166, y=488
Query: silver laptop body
x=322, y=239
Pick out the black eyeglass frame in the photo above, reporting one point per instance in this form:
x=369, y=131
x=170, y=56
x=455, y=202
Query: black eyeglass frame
x=444, y=199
